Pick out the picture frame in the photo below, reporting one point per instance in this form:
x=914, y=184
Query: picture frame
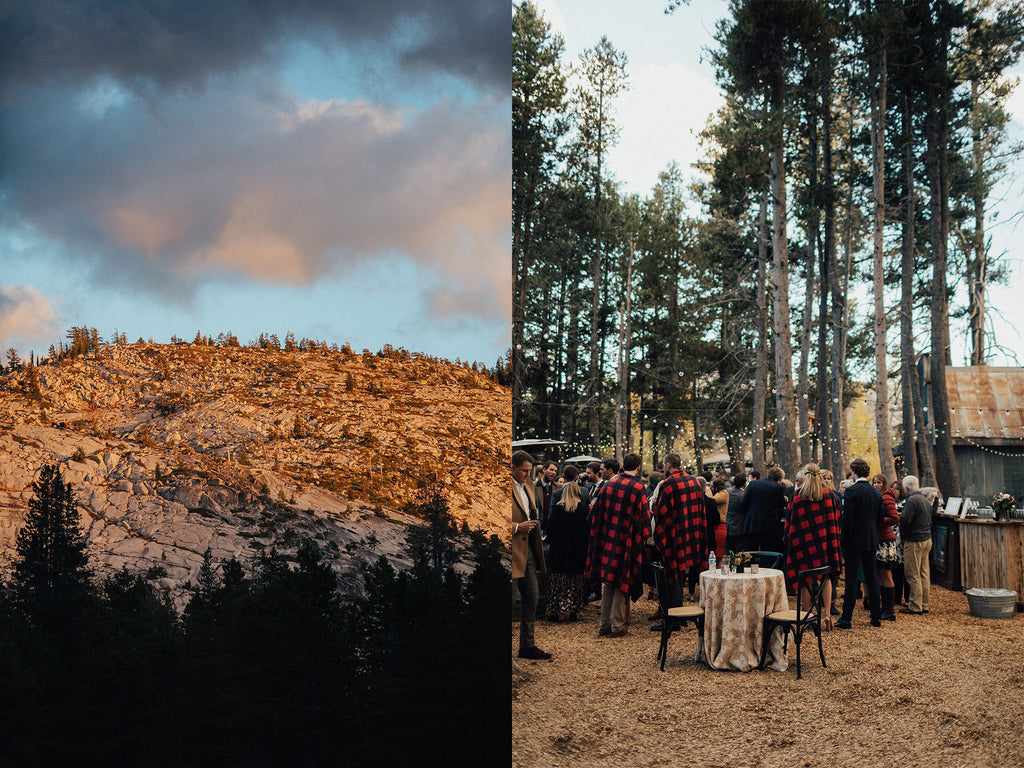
x=953, y=506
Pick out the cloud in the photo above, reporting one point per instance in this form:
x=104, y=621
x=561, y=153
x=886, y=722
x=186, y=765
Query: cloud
x=26, y=316
x=164, y=45
x=249, y=181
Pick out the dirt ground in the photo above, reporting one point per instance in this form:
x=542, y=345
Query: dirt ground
x=943, y=689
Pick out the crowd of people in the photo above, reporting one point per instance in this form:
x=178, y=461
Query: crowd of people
x=606, y=528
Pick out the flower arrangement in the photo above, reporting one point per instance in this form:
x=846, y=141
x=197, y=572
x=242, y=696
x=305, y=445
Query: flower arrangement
x=1003, y=505
x=739, y=560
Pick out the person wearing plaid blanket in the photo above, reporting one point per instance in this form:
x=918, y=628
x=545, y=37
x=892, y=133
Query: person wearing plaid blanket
x=620, y=523
x=812, y=533
x=680, y=528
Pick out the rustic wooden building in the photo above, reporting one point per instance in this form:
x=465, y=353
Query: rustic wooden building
x=987, y=422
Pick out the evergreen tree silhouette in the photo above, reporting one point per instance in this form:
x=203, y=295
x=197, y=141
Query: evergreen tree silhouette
x=51, y=573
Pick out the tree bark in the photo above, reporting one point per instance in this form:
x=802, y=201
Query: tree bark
x=828, y=260
x=878, y=105
x=907, y=362
x=761, y=361
x=621, y=435
x=785, y=414
x=838, y=295
x=803, y=386
x=924, y=451
x=977, y=271
x=937, y=128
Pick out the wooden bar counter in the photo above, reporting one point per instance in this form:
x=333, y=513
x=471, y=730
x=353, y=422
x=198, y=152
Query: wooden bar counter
x=992, y=554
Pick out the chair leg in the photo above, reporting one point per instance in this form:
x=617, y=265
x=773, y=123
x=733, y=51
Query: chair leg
x=821, y=651
x=797, y=637
x=766, y=636
x=665, y=632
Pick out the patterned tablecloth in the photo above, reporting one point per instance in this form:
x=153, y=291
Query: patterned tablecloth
x=734, y=611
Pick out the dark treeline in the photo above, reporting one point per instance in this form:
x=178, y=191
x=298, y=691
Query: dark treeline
x=264, y=668
x=856, y=154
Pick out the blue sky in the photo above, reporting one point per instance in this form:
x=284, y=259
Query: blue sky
x=335, y=169
x=673, y=91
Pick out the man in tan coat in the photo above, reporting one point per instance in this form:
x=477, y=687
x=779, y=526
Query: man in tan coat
x=527, y=552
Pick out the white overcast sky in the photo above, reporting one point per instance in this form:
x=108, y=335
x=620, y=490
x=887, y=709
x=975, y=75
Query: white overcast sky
x=673, y=92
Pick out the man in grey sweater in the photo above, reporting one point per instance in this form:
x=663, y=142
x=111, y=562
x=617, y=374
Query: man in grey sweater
x=916, y=532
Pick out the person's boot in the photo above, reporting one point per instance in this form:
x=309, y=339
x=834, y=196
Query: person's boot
x=888, y=596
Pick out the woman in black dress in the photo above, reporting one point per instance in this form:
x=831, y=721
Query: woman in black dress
x=567, y=536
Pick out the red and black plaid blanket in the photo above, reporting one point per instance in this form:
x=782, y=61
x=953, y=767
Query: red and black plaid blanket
x=812, y=536
x=680, y=527
x=618, y=528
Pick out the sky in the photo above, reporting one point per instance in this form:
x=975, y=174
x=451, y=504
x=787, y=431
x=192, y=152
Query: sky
x=673, y=91
x=333, y=168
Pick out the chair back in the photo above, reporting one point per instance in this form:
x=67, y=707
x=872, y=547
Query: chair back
x=767, y=559
x=813, y=580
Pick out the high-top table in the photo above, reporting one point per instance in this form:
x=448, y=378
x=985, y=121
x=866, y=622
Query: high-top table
x=734, y=609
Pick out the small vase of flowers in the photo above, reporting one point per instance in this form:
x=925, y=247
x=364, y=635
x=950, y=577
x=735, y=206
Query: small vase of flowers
x=1003, y=504
x=741, y=560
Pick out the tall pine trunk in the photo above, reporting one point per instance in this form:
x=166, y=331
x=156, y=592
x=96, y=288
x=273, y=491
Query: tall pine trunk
x=522, y=227
x=977, y=267
x=596, y=335
x=594, y=378
x=803, y=384
x=828, y=260
x=838, y=295
x=785, y=414
x=761, y=361
x=924, y=452
x=937, y=127
x=622, y=406
x=910, y=464
x=878, y=104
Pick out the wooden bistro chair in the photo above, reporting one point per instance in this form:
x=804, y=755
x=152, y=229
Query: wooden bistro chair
x=766, y=559
x=673, y=618
x=799, y=621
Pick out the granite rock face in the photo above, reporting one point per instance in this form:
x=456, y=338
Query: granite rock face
x=175, y=449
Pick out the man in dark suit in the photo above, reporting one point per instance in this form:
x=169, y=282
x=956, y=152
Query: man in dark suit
x=763, y=507
x=609, y=471
x=862, y=513
x=543, y=488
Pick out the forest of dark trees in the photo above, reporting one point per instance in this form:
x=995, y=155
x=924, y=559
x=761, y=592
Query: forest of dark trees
x=266, y=666
x=856, y=154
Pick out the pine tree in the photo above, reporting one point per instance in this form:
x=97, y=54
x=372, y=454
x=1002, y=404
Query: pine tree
x=433, y=544
x=51, y=571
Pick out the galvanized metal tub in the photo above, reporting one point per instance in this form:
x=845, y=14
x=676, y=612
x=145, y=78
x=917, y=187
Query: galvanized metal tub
x=991, y=603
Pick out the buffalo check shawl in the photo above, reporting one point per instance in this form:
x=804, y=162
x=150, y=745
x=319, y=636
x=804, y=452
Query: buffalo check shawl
x=619, y=525
x=812, y=536
x=680, y=526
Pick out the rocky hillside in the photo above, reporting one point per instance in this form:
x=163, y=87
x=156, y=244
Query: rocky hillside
x=173, y=449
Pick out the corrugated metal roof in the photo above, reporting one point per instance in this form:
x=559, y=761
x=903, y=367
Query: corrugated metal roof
x=986, y=402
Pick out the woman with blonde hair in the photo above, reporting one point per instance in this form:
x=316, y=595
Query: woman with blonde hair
x=567, y=535
x=812, y=534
